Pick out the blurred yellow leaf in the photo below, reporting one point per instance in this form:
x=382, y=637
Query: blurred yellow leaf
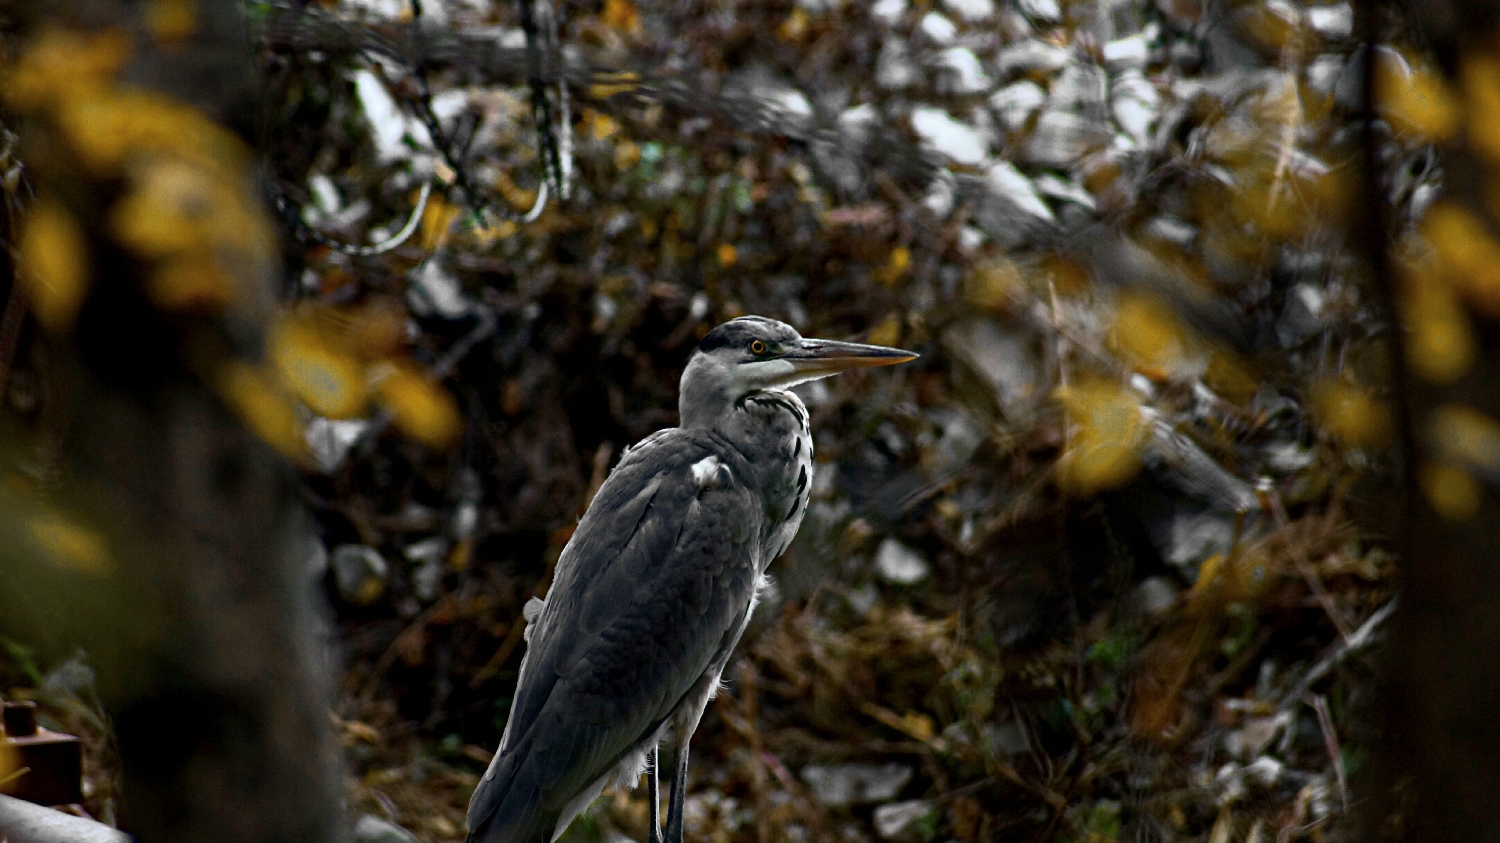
x=1107, y=434
x=600, y=125
x=607, y=85
x=1452, y=491
x=1440, y=344
x=192, y=280
x=887, y=331
x=1466, y=436
x=1069, y=277
x=727, y=254
x=10, y=765
x=177, y=207
x=1480, y=75
x=1351, y=414
x=621, y=15
x=54, y=265
x=993, y=284
x=320, y=372
x=1228, y=376
x=438, y=216
x=1415, y=101
x=420, y=408
x=171, y=21
x=1146, y=332
x=264, y=408
x=1468, y=255
x=895, y=266
x=377, y=330
x=68, y=543
x=627, y=155
x=57, y=64
x=108, y=127
x=795, y=27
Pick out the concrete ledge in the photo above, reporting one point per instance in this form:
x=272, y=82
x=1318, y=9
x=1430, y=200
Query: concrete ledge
x=24, y=822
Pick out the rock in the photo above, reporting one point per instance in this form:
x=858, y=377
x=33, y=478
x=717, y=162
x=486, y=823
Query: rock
x=894, y=68
x=973, y=11
x=940, y=195
x=1050, y=184
x=1014, y=104
x=899, y=564
x=1004, y=182
x=959, y=72
x=1044, y=10
x=1134, y=102
x=1007, y=738
x=432, y=290
x=1264, y=771
x=902, y=822
x=1004, y=360
x=957, y=141
x=1301, y=318
x=1186, y=537
x=961, y=436
x=359, y=573
x=1127, y=53
x=842, y=785
x=1334, y=22
x=373, y=829
x=1033, y=54
x=1061, y=138
x=330, y=440
x=937, y=28
x=1152, y=596
x=889, y=12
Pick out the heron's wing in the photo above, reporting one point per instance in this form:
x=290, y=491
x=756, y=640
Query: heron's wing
x=655, y=582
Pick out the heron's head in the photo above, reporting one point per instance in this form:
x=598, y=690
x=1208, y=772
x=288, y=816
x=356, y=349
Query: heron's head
x=753, y=353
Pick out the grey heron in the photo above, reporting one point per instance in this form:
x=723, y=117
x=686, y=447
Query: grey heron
x=656, y=586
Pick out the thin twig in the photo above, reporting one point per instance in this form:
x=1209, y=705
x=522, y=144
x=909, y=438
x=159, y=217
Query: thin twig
x=1337, y=653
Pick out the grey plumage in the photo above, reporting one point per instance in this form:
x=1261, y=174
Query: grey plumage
x=656, y=586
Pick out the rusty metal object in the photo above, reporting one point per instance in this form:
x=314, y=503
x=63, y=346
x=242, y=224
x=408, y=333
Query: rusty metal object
x=53, y=761
x=24, y=822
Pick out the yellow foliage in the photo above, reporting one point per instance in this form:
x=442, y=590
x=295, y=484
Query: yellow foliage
x=176, y=207
x=107, y=128
x=1466, y=436
x=265, y=409
x=993, y=284
x=191, y=280
x=419, y=407
x=1416, y=102
x=376, y=330
x=627, y=155
x=318, y=369
x=607, y=85
x=895, y=266
x=1468, y=255
x=171, y=21
x=54, y=265
x=1452, y=492
x=1228, y=376
x=1480, y=76
x=600, y=125
x=796, y=25
x=887, y=331
x=58, y=65
x=1352, y=415
x=1440, y=343
x=1149, y=336
x=67, y=543
x=621, y=15
x=10, y=765
x=1107, y=434
x=727, y=254
x=520, y=198
x=439, y=215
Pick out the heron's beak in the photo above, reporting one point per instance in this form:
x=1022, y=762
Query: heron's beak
x=817, y=358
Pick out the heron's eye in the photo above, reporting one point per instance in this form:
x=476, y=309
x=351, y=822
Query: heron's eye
x=757, y=347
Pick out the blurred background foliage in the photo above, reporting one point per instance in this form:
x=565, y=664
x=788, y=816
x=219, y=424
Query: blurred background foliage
x=1108, y=563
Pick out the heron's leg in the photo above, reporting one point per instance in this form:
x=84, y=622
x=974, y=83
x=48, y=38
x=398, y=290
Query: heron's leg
x=679, y=792
x=653, y=794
